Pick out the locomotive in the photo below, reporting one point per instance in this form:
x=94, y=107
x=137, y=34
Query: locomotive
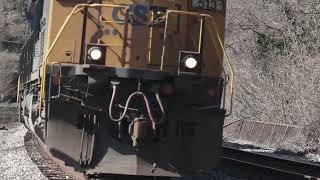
x=129, y=87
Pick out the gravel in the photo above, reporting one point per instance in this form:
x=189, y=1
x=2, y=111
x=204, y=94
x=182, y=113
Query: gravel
x=14, y=160
x=313, y=157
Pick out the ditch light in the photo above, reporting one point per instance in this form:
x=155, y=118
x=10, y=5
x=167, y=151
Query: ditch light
x=96, y=54
x=190, y=63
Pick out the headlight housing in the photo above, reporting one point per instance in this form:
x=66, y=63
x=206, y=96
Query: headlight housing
x=96, y=54
x=190, y=63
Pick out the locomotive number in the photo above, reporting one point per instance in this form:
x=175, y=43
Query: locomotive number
x=216, y=5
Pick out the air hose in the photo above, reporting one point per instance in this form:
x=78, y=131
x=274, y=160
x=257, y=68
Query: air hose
x=147, y=104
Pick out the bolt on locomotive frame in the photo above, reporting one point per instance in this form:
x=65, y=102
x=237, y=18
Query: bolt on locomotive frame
x=135, y=87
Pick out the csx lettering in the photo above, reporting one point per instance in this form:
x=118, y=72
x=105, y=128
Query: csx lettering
x=139, y=12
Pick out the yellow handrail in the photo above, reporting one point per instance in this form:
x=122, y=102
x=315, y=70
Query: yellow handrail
x=44, y=64
x=221, y=44
x=74, y=11
x=150, y=39
x=18, y=91
x=168, y=12
x=231, y=69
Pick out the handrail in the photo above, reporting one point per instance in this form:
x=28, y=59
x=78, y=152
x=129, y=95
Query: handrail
x=221, y=44
x=168, y=12
x=43, y=66
x=75, y=11
x=231, y=69
x=18, y=90
x=150, y=39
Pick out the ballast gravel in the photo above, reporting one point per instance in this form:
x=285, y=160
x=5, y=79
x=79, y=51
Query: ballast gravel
x=15, y=163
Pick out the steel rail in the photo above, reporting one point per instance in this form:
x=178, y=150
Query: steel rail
x=272, y=162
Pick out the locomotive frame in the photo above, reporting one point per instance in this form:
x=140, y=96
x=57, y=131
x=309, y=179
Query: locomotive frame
x=141, y=141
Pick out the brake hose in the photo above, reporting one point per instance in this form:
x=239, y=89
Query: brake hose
x=138, y=93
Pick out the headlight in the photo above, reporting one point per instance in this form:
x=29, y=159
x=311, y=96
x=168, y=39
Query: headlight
x=190, y=62
x=95, y=53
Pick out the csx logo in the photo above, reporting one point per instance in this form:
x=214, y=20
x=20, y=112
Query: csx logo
x=140, y=13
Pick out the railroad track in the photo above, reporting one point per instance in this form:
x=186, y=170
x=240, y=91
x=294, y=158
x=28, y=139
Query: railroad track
x=248, y=164
x=47, y=166
x=276, y=165
x=55, y=170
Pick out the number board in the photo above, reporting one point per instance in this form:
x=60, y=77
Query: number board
x=212, y=5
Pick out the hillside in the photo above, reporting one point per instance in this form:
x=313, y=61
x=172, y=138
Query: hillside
x=274, y=46
x=13, y=32
x=12, y=21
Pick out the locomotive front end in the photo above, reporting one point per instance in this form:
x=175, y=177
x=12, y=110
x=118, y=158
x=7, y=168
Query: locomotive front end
x=134, y=87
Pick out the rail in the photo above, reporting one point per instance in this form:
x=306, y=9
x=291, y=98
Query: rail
x=272, y=162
